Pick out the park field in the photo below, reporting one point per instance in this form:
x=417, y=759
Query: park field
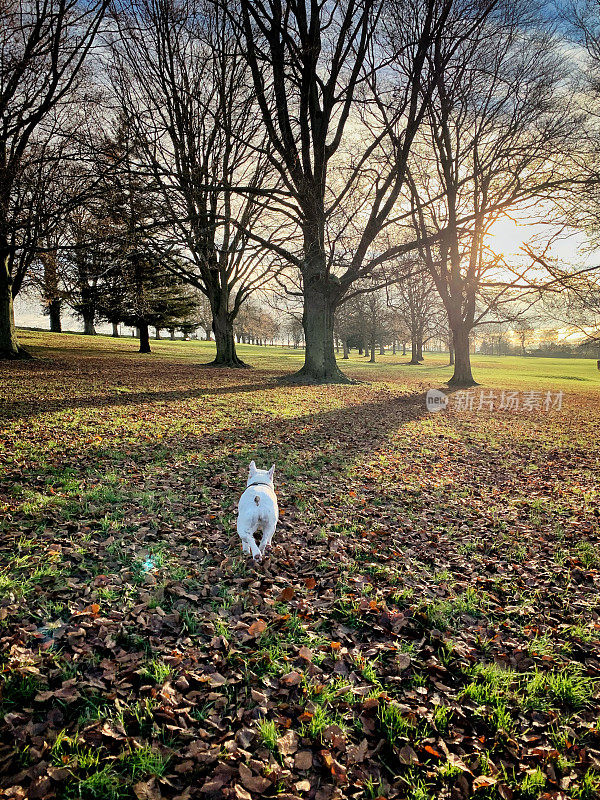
x=427, y=624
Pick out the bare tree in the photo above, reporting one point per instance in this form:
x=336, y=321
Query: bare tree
x=256, y=324
x=498, y=137
x=43, y=47
x=183, y=85
x=375, y=302
x=416, y=301
x=577, y=299
x=574, y=300
x=524, y=332
x=334, y=81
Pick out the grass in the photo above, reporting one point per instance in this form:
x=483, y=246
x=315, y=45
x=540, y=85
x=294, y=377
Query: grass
x=589, y=786
x=532, y=784
x=497, y=371
x=157, y=670
x=105, y=784
x=425, y=554
x=267, y=733
x=18, y=689
x=560, y=688
x=394, y=724
x=445, y=613
x=144, y=761
x=320, y=719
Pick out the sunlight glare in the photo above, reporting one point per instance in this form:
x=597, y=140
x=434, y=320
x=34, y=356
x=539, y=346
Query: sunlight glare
x=505, y=237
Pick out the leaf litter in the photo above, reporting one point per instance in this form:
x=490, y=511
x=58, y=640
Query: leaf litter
x=426, y=625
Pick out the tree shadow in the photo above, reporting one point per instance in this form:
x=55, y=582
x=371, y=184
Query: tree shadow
x=302, y=446
x=307, y=442
x=122, y=397
x=25, y=409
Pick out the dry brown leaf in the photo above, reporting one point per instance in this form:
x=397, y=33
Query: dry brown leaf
x=291, y=679
x=147, y=790
x=286, y=594
x=303, y=759
x=257, y=627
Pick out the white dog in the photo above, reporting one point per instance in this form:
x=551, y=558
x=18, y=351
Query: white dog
x=257, y=509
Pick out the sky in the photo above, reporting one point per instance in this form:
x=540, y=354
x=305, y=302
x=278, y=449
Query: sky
x=508, y=235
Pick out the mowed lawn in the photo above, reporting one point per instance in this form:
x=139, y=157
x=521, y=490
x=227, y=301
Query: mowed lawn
x=426, y=626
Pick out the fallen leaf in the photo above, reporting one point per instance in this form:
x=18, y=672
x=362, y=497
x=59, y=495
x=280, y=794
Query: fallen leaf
x=257, y=627
x=338, y=772
x=254, y=783
x=303, y=759
x=147, y=790
x=286, y=595
x=288, y=744
x=483, y=781
x=291, y=679
x=407, y=755
x=305, y=653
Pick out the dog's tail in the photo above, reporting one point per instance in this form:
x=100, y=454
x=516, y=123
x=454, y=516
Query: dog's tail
x=257, y=500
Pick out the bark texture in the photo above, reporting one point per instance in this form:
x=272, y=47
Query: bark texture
x=144, y=337
x=9, y=347
x=320, y=365
x=54, y=309
x=462, y=377
x=88, y=324
x=224, y=336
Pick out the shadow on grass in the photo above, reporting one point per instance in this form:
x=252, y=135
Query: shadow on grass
x=25, y=409
x=302, y=445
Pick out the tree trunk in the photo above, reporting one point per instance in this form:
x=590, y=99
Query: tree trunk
x=462, y=377
x=51, y=293
x=451, y=349
x=144, y=337
x=404, y=348
x=346, y=349
x=88, y=322
x=420, y=348
x=157, y=333
x=381, y=349
x=172, y=332
x=394, y=347
x=54, y=307
x=320, y=365
x=414, y=351
x=88, y=309
x=115, y=330
x=224, y=338
x=372, y=348
x=9, y=347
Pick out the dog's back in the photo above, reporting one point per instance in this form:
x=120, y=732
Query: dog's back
x=257, y=510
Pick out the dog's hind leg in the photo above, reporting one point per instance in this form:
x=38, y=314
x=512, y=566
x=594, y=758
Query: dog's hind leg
x=249, y=546
x=246, y=547
x=267, y=536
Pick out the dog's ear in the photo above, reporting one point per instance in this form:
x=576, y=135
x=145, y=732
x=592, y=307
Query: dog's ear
x=272, y=472
x=252, y=467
